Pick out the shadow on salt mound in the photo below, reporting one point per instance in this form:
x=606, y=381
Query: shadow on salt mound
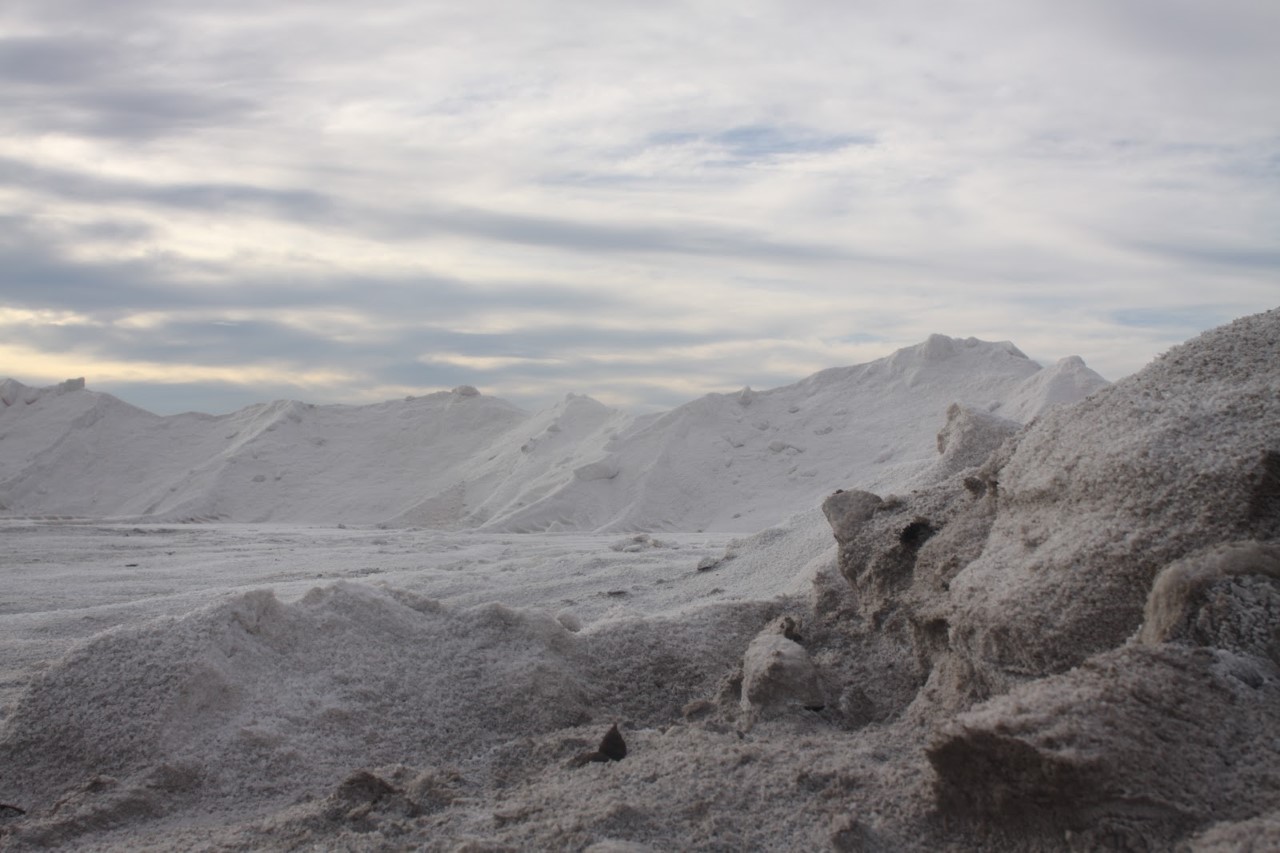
x=1141, y=741
x=257, y=698
x=777, y=561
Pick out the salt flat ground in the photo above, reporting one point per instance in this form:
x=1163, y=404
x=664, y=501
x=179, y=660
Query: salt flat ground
x=64, y=581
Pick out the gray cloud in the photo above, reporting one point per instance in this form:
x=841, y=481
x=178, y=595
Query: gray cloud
x=296, y=205
x=38, y=274
x=554, y=182
x=128, y=85
x=1256, y=258
x=209, y=197
x=1181, y=321
x=125, y=115
x=146, y=113
x=54, y=61
x=589, y=237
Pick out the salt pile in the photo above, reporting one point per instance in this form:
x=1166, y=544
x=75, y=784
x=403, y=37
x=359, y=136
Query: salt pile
x=462, y=460
x=1057, y=637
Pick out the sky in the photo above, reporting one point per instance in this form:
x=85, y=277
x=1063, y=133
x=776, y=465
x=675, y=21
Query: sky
x=209, y=204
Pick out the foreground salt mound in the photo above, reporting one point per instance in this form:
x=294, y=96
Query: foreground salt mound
x=1148, y=742
x=1159, y=496
x=252, y=697
x=91, y=455
x=461, y=460
x=250, y=702
x=1183, y=455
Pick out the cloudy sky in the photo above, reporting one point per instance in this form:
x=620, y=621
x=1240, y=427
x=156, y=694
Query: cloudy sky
x=207, y=204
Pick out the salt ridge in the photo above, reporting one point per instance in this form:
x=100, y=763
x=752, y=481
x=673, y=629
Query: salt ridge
x=460, y=460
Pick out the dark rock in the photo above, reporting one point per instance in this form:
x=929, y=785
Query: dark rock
x=612, y=748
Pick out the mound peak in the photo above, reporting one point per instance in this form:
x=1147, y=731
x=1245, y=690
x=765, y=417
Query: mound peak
x=12, y=391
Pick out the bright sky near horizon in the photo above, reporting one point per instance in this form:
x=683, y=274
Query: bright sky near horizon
x=208, y=204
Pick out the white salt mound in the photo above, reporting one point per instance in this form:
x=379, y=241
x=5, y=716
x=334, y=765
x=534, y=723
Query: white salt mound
x=460, y=460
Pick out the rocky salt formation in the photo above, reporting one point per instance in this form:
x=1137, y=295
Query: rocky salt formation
x=1093, y=613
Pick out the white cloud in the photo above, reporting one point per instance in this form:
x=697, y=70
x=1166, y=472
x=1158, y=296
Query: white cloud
x=44, y=367
x=19, y=317
x=485, y=363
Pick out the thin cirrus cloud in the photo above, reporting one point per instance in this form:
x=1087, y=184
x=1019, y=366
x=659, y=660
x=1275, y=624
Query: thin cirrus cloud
x=207, y=206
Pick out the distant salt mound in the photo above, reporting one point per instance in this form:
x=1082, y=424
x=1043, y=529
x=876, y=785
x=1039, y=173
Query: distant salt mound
x=13, y=392
x=91, y=455
x=526, y=466
x=41, y=426
x=1068, y=381
x=460, y=460
x=738, y=462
